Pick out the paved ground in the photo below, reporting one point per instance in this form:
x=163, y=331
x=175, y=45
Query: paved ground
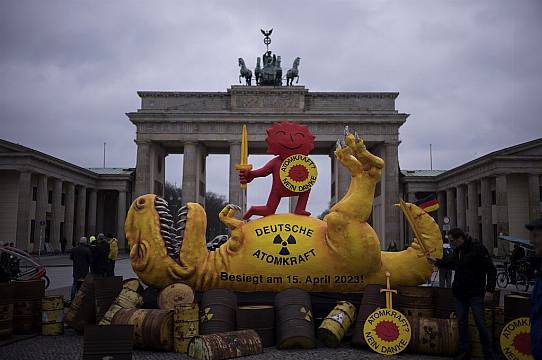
x=70, y=345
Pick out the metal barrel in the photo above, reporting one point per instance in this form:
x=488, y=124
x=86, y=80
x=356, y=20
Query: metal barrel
x=52, y=315
x=126, y=299
x=474, y=336
x=175, y=294
x=225, y=345
x=217, y=311
x=516, y=306
x=444, y=303
x=336, y=324
x=416, y=300
x=27, y=306
x=260, y=318
x=295, y=324
x=185, y=325
x=6, y=310
x=82, y=310
x=153, y=329
x=433, y=336
x=106, y=291
x=371, y=300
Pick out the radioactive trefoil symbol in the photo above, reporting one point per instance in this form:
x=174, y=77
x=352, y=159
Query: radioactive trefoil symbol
x=284, y=250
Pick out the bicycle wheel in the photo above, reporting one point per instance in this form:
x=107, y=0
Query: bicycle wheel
x=502, y=280
x=522, y=283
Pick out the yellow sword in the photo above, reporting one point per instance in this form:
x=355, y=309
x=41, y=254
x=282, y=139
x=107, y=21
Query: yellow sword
x=244, y=165
x=389, y=292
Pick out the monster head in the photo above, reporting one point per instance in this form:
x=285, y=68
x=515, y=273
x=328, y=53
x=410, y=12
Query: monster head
x=289, y=138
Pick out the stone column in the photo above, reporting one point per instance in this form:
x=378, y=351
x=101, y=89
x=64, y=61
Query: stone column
x=472, y=210
x=143, y=168
x=461, y=209
x=391, y=193
x=121, y=218
x=41, y=213
x=80, y=220
x=237, y=195
x=292, y=203
x=69, y=207
x=24, y=203
x=441, y=198
x=534, y=196
x=190, y=173
x=100, y=212
x=92, y=197
x=501, y=191
x=56, y=210
x=487, y=219
x=451, y=207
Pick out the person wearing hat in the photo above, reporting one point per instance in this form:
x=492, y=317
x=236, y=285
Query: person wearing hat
x=535, y=229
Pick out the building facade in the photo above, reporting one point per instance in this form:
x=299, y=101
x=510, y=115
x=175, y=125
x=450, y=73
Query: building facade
x=49, y=201
x=496, y=194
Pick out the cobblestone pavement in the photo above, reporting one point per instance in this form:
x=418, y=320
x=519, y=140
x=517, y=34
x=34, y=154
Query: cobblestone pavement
x=69, y=347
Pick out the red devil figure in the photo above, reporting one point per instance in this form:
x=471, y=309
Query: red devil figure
x=284, y=139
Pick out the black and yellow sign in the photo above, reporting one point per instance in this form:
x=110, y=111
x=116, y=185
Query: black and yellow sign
x=298, y=173
x=387, y=331
x=516, y=339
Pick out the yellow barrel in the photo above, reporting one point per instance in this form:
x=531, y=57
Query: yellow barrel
x=337, y=323
x=52, y=315
x=127, y=299
x=185, y=325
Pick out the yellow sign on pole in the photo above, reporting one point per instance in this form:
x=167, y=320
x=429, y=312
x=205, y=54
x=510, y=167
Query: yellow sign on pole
x=387, y=331
x=516, y=339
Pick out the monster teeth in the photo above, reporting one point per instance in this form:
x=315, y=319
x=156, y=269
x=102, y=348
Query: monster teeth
x=162, y=208
x=346, y=132
x=338, y=144
x=356, y=136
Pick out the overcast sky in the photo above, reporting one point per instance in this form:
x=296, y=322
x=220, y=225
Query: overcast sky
x=468, y=72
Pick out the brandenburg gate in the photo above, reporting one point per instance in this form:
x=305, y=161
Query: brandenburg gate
x=197, y=124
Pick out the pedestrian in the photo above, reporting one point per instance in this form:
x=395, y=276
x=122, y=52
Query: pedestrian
x=102, y=260
x=474, y=284
x=517, y=255
x=113, y=254
x=95, y=255
x=445, y=275
x=81, y=256
x=535, y=229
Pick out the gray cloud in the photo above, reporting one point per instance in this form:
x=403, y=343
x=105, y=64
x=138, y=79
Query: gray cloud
x=468, y=72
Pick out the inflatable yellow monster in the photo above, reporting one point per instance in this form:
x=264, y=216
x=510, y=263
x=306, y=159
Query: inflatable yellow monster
x=340, y=253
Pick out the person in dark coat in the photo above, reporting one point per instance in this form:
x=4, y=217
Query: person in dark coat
x=82, y=259
x=474, y=284
x=102, y=260
x=535, y=229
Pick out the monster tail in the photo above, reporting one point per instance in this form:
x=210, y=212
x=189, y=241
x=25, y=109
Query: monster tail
x=410, y=266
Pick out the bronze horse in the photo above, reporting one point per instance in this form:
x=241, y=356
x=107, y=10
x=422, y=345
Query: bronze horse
x=245, y=72
x=293, y=73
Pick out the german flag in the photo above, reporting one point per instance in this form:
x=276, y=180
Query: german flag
x=428, y=203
